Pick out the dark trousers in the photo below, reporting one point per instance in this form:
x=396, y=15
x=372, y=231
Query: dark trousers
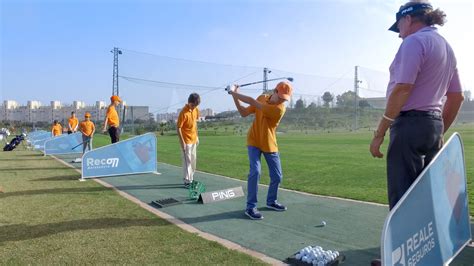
x=114, y=134
x=415, y=138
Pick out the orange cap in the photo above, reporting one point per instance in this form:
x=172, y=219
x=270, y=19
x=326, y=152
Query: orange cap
x=87, y=114
x=284, y=90
x=115, y=98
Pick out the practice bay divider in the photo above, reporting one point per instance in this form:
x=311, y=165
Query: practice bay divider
x=64, y=144
x=136, y=155
x=430, y=223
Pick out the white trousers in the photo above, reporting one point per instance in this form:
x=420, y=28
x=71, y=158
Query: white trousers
x=189, y=162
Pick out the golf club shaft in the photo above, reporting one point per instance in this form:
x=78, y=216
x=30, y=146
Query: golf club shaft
x=256, y=82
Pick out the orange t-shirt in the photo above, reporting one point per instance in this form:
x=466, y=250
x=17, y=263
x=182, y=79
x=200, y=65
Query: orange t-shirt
x=262, y=133
x=73, y=122
x=112, y=116
x=187, y=121
x=87, y=127
x=57, y=129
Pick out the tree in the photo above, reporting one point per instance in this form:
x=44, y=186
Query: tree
x=327, y=98
x=364, y=103
x=300, y=105
x=346, y=100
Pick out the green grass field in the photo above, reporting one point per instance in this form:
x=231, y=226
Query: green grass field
x=47, y=217
x=334, y=164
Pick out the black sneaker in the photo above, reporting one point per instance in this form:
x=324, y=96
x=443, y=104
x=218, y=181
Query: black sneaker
x=277, y=207
x=254, y=214
x=187, y=185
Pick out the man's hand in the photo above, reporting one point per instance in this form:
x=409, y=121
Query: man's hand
x=375, y=146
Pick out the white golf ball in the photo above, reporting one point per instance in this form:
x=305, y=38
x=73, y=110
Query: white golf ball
x=298, y=256
x=323, y=223
x=320, y=263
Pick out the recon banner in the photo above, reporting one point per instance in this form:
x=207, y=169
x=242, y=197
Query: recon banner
x=64, y=144
x=132, y=156
x=430, y=224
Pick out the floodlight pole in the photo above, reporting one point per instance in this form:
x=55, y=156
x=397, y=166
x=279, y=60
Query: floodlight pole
x=266, y=71
x=115, y=86
x=356, y=92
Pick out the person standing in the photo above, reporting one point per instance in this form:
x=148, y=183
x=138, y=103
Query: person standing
x=422, y=73
x=56, y=129
x=112, y=120
x=188, y=136
x=87, y=129
x=261, y=139
x=73, y=123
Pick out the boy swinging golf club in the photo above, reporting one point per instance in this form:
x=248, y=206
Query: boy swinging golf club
x=261, y=139
x=87, y=129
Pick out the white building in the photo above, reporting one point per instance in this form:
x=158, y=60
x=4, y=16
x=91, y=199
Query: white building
x=35, y=112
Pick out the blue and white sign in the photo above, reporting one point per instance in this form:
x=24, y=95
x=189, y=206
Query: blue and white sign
x=64, y=144
x=33, y=134
x=132, y=156
x=430, y=223
x=39, y=140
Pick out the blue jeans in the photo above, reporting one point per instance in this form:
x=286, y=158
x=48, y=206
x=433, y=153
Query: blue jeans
x=274, y=167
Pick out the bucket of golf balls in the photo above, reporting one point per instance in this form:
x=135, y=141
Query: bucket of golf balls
x=317, y=256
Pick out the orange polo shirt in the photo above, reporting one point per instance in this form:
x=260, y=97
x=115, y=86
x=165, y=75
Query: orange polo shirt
x=57, y=129
x=87, y=127
x=73, y=122
x=262, y=133
x=112, y=116
x=187, y=121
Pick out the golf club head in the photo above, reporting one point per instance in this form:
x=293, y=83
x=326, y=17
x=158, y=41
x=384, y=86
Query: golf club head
x=290, y=79
x=230, y=89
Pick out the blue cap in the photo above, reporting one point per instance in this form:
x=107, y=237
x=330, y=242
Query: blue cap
x=407, y=10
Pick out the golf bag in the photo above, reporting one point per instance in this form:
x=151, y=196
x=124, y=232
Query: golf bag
x=15, y=142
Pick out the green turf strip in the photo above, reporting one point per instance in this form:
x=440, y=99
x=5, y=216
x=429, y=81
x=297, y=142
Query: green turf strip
x=48, y=217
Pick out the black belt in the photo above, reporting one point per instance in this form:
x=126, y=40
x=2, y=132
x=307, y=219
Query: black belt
x=436, y=114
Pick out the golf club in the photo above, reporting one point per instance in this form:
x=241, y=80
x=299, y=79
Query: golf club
x=84, y=142
x=228, y=88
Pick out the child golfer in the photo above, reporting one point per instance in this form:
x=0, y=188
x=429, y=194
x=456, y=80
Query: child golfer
x=188, y=138
x=72, y=123
x=261, y=139
x=87, y=129
x=57, y=129
x=112, y=119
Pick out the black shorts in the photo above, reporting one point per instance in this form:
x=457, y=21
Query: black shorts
x=114, y=134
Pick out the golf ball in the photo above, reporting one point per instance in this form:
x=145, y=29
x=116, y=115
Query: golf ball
x=323, y=223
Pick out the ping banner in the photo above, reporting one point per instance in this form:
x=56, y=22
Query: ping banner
x=430, y=223
x=64, y=144
x=132, y=156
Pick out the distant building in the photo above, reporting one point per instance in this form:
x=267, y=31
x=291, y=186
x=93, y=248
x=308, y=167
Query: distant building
x=34, y=111
x=377, y=103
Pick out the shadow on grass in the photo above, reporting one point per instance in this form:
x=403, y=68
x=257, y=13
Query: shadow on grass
x=74, y=177
x=53, y=191
x=35, y=168
x=18, y=232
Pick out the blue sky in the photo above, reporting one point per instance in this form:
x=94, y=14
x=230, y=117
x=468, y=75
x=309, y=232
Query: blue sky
x=60, y=50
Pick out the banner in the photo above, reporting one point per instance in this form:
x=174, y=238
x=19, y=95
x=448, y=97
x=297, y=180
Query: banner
x=430, y=223
x=132, y=156
x=39, y=141
x=33, y=134
x=38, y=136
x=64, y=144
